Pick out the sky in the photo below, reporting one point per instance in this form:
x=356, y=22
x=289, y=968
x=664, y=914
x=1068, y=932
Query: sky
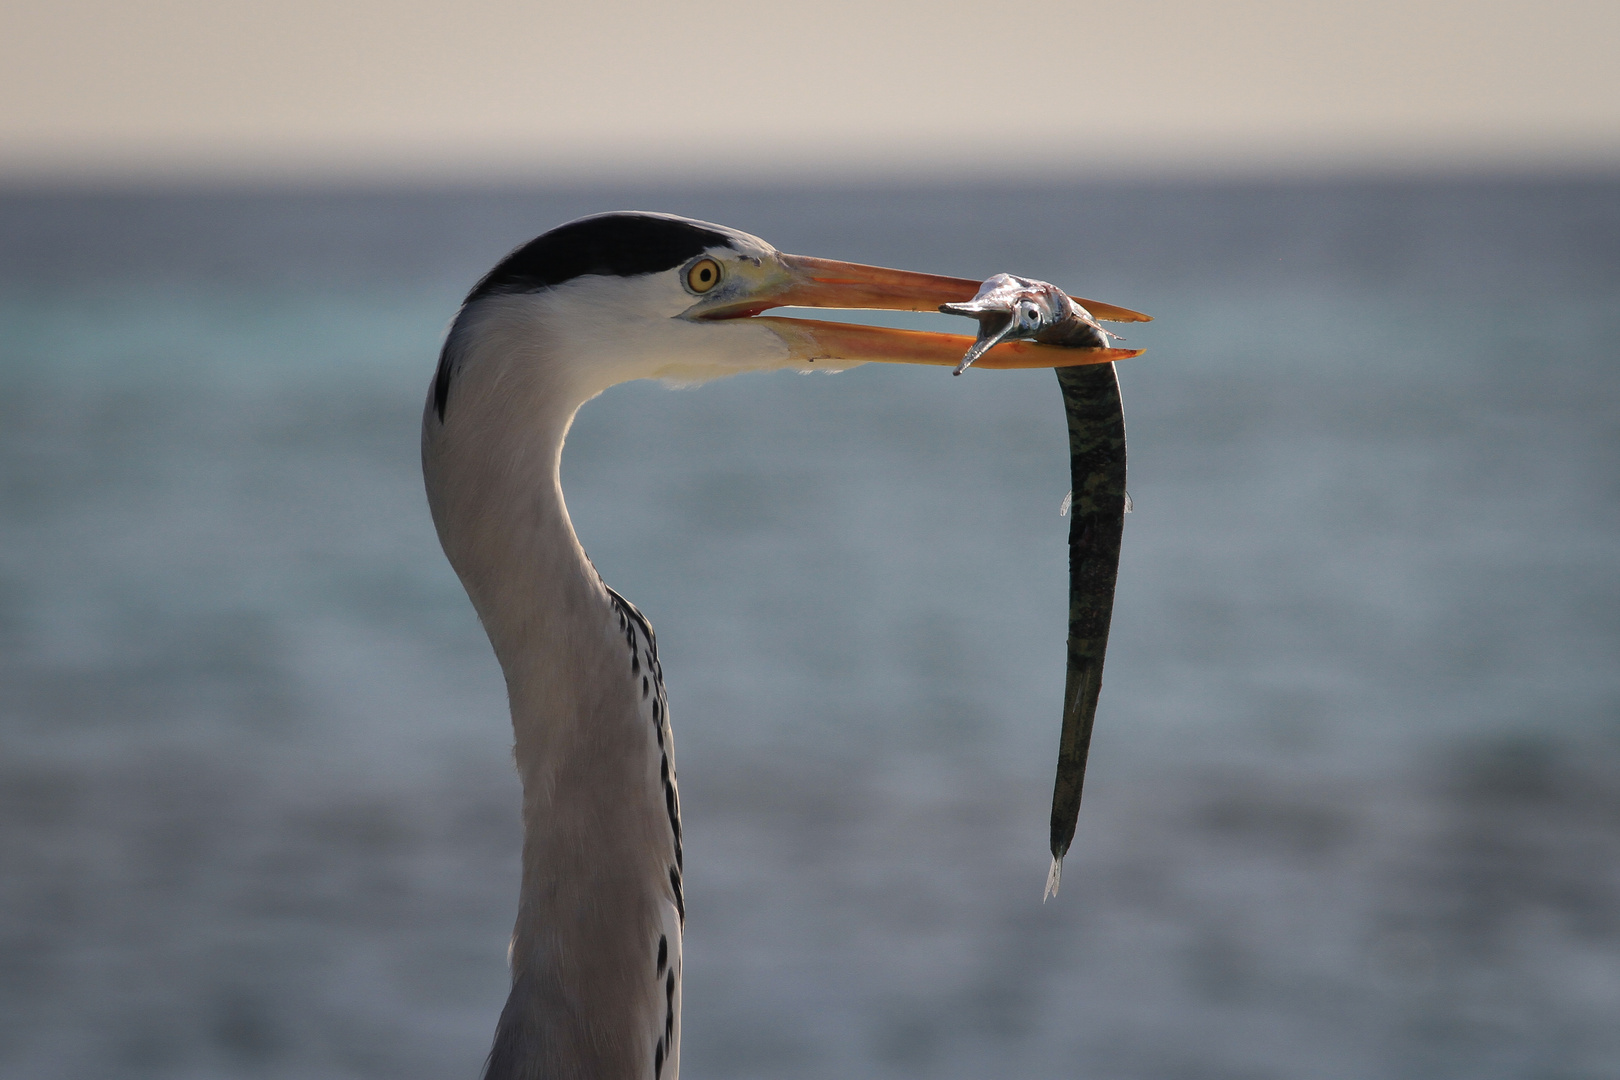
x=648, y=89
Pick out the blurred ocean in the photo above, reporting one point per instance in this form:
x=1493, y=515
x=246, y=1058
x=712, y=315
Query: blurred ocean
x=1354, y=801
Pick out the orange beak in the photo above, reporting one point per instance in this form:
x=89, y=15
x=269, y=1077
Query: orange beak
x=827, y=283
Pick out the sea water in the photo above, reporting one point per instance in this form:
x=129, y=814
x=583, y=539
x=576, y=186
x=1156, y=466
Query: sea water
x=1353, y=806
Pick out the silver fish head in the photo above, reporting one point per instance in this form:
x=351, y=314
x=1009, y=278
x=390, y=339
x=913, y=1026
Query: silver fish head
x=1012, y=308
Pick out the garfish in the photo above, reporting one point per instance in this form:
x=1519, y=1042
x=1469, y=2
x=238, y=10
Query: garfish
x=1010, y=308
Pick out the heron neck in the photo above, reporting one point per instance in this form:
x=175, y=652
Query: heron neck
x=593, y=906
x=497, y=499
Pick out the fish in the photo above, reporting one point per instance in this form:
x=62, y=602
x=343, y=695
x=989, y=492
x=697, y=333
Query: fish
x=1008, y=308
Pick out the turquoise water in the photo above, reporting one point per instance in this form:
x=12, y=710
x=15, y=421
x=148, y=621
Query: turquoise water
x=1353, y=798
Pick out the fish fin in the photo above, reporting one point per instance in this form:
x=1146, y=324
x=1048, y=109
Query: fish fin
x=1053, y=877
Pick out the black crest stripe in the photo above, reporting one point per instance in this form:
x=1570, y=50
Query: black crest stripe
x=441, y=382
x=617, y=245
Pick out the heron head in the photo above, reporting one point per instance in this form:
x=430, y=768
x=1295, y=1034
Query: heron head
x=620, y=296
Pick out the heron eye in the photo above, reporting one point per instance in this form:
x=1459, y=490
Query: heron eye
x=703, y=275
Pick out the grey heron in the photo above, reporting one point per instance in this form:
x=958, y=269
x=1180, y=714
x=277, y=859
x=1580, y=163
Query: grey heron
x=596, y=950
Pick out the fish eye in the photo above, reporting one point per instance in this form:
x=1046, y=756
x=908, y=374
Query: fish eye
x=703, y=275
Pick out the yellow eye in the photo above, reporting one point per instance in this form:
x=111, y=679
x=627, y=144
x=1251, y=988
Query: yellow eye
x=703, y=275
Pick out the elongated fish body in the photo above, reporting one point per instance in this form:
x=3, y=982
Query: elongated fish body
x=1096, y=420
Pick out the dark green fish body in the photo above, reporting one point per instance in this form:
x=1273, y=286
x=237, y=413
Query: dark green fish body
x=1097, y=522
